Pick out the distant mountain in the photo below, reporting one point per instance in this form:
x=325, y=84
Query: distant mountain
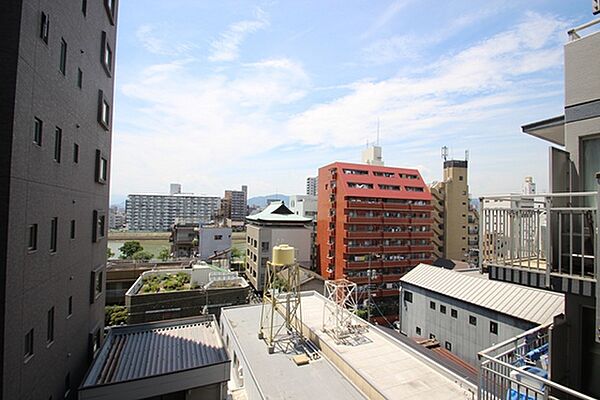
x=261, y=201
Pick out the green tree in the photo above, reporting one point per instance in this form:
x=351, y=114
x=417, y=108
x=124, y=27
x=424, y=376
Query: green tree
x=236, y=253
x=109, y=253
x=115, y=315
x=130, y=248
x=142, y=256
x=164, y=254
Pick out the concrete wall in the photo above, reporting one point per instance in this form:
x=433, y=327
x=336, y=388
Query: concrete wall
x=213, y=240
x=466, y=340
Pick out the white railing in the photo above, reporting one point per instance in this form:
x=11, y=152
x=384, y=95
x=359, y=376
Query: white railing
x=518, y=369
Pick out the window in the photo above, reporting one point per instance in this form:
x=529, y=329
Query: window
x=79, y=78
x=45, y=27
x=107, y=55
x=103, y=110
x=432, y=305
x=95, y=341
x=28, y=353
x=110, y=6
x=460, y=178
x=32, y=240
x=408, y=297
x=454, y=313
x=472, y=320
x=431, y=336
x=63, y=56
x=72, y=233
x=448, y=346
x=75, y=153
x=67, y=385
x=96, y=285
x=264, y=246
x=84, y=7
x=494, y=327
x=50, y=326
x=442, y=309
x=70, y=306
x=101, y=167
x=218, y=237
x=38, y=126
x=53, y=234
x=99, y=225
x=57, y=144
x=418, y=330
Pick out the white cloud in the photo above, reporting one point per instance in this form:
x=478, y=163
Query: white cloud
x=386, y=16
x=160, y=40
x=227, y=46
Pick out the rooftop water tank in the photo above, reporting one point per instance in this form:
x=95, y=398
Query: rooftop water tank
x=283, y=255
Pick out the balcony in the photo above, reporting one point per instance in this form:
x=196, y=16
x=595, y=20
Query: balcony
x=362, y=249
x=364, y=205
x=363, y=220
x=363, y=234
x=545, y=241
x=518, y=369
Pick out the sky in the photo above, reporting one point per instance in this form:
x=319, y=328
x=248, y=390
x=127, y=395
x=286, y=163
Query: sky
x=219, y=94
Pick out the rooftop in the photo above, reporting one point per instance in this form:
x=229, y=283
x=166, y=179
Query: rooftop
x=378, y=364
x=138, y=358
x=526, y=303
x=277, y=212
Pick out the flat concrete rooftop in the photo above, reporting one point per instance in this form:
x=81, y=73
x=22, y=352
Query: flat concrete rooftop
x=378, y=364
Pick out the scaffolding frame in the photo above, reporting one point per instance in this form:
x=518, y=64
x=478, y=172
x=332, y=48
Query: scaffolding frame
x=339, y=312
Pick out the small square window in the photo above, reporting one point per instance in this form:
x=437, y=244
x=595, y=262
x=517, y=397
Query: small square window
x=63, y=56
x=408, y=297
x=38, y=127
x=75, y=153
x=103, y=110
x=45, y=27
x=32, y=240
x=432, y=305
x=264, y=246
x=50, y=326
x=28, y=351
x=418, y=330
x=101, y=168
x=72, y=231
x=454, y=313
x=431, y=336
x=218, y=237
x=107, y=55
x=472, y=320
x=53, y=234
x=57, y=144
x=494, y=327
x=460, y=178
x=442, y=309
x=448, y=346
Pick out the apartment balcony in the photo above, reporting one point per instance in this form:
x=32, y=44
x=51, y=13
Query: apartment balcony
x=363, y=264
x=364, y=205
x=518, y=368
x=396, y=249
x=362, y=249
x=393, y=220
x=396, y=235
x=363, y=234
x=363, y=220
x=397, y=207
x=546, y=241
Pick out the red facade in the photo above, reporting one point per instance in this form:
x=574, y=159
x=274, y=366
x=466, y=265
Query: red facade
x=373, y=217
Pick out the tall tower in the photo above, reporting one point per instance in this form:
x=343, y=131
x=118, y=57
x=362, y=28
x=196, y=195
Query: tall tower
x=372, y=155
x=56, y=97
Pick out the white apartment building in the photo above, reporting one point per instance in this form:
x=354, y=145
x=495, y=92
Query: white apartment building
x=158, y=211
x=311, y=185
x=304, y=205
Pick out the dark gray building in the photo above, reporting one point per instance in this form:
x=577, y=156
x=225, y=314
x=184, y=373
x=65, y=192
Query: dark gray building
x=234, y=205
x=56, y=96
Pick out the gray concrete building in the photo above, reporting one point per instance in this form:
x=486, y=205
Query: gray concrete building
x=158, y=211
x=56, y=97
x=275, y=225
x=234, y=205
x=312, y=185
x=468, y=313
x=213, y=240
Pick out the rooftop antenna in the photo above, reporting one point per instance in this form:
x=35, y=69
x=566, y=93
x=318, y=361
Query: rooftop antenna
x=467, y=155
x=445, y=153
x=377, y=131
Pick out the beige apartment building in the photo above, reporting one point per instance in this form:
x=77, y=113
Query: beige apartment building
x=451, y=213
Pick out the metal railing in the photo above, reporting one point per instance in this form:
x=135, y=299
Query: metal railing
x=552, y=233
x=518, y=369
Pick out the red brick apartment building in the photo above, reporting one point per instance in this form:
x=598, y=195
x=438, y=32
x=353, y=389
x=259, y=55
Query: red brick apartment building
x=373, y=217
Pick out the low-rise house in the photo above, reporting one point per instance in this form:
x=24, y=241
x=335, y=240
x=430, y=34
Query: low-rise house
x=213, y=240
x=184, y=239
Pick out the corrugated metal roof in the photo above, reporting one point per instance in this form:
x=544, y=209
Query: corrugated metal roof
x=144, y=350
x=526, y=303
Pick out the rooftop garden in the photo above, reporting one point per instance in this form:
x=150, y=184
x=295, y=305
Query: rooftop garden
x=166, y=283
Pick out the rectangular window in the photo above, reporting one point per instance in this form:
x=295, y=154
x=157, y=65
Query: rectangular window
x=28, y=352
x=45, y=27
x=70, y=306
x=432, y=305
x=38, y=127
x=442, y=309
x=494, y=327
x=454, y=313
x=72, y=233
x=408, y=297
x=32, y=241
x=110, y=6
x=67, y=385
x=264, y=246
x=472, y=320
x=84, y=7
x=218, y=237
x=418, y=331
x=53, y=234
x=107, y=54
x=99, y=225
x=103, y=110
x=431, y=336
x=79, y=78
x=57, y=144
x=95, y=340
x=75, y=153
x=448, y=346
x=101, y=168
x=96, y=285
x=50, y=326
x=63, y=56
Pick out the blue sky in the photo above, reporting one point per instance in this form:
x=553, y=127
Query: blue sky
x=214, y=95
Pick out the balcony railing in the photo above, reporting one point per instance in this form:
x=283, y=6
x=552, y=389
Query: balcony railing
x=555, y=235
x=518, y=369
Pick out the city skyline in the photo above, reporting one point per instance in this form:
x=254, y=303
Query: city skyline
x=259, y=98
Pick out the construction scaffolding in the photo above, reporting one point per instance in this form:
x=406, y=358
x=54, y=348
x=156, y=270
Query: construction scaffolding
x=339, y=319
